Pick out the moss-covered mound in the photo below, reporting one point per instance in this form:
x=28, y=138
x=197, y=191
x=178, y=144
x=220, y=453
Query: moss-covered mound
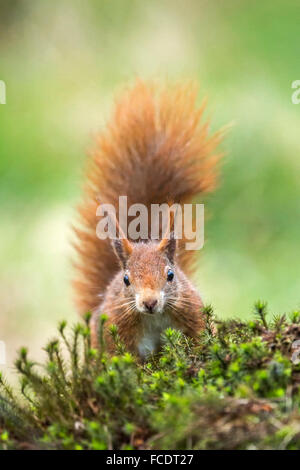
x=237, y=389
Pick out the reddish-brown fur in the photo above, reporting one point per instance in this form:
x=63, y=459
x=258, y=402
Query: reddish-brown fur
x=146, y=266
x=155, y=149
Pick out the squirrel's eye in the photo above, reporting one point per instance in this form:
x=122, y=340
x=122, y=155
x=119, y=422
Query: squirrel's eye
x=126, y=280
x=170, y=275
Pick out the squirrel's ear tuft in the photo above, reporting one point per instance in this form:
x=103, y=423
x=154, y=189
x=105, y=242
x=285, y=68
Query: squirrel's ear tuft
x=169, y=245
x=123, y=249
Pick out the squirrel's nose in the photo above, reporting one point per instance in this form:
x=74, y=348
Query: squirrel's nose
x=150, y=305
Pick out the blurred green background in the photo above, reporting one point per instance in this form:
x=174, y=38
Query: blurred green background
x=63, y=61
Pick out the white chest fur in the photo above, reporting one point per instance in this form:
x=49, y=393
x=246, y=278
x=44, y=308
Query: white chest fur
x=153, y=327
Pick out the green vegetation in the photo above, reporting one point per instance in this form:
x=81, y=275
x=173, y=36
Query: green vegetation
x=236, y=389
x=64, y=61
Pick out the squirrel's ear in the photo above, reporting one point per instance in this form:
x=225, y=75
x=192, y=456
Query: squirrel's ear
x=123, y=249
x=122, y=246
x=169, y=245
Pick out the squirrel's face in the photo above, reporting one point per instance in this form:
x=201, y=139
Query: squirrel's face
x=149, y=275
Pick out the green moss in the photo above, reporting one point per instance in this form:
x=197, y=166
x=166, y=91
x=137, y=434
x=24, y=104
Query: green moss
x=234, y=389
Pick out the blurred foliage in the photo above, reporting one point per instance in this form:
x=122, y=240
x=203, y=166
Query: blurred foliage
x=236, y=389
x=64, y=61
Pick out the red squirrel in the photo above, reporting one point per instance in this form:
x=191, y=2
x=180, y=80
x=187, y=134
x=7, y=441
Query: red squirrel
x=154, y=149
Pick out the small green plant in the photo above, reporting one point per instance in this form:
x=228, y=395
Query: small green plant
x=234, y=387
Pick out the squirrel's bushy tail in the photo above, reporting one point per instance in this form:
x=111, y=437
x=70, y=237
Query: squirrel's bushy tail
x=155, y=149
